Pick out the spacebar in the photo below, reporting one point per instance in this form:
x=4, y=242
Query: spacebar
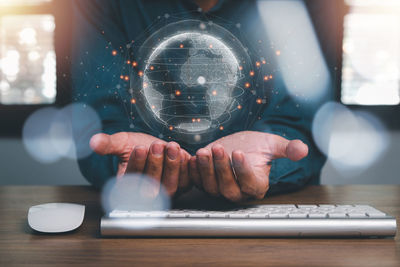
x=247, y=227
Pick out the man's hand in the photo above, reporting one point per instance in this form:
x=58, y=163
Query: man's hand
x=238, y=166
x=142, y=153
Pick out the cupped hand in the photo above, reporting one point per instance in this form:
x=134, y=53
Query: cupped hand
x=237, y=166
x=145, y=154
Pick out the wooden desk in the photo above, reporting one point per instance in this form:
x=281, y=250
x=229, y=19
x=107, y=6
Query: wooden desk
x=20, y=245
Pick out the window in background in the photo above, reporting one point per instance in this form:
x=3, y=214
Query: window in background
x=27, y=57
x=22, y=2
x=371, y=53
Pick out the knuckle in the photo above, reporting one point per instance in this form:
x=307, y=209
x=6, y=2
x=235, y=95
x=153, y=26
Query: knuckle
x=170, y=186
x=171, y=191
x=249, y=189
x=231, y=194
x=171, y=166
x=183, y=181
x=184, y=188
x=153, y=168
x=255, y=189
x=213, y=191
x=261, y=195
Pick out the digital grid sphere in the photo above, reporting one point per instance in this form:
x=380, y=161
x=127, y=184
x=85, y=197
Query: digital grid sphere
x=190, y=82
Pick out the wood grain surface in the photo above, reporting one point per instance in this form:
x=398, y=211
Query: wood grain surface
x=84, y=246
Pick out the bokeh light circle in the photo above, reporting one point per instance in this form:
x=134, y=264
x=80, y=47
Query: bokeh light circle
x=134, y=192
x=72, y=128
x=50, y=133
x=36, y=135
x=352, y=141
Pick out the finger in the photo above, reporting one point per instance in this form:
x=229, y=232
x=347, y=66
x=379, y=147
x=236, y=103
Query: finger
x=170, y=173
x=154, y=164
x=248, y=181
x=194, y=172
x=205, y=166
x=227, y=184
x=116, y=144
x=137, y=160
x=296, y=150
x=283, y=148
x=184, y=181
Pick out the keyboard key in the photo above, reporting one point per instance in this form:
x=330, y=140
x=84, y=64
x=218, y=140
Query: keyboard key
x=357, y=215
x=278, y=215
x=217, y=215
x=283, y=206
x=297, y=215
x=327, y=206
x=258, y=215
x=238, y=215
x=198, y=215
x=337, y=215
x=118, y=214
x=177, y=215
x=364, y=207
x=156, y=214
x=139, y=214
x=307, y=206
x=317, y=215
x=376, y=214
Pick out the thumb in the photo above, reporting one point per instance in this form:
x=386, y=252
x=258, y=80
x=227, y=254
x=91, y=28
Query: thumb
x=296, y=150
x=105, y=144
x=292, y=149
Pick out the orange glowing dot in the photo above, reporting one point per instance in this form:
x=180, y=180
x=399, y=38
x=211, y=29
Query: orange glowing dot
x=214, y=92
x=239, y=106
x=121, y=77
x=211, y=46
x=198, y=120
x=258, y=64
x=240, y=67
x=126, y=78
x=270, y=76
x=264, y=62
x=151, y=67
x=133, y=101
x=153, y=107
x=266, y=78
x=114, y=52
x=177, y=92
x=278, y=52
x=221, y=127
x=251, y=73
x=259, y=101
x=128, y=62
x=193, y=120
x=134, y=64
x=247, y=85
x=181, y=46
x=140, y=73
x=145, y=85
x=171, y=128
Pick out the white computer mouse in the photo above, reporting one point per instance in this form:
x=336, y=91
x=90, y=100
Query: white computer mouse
x=56, y=217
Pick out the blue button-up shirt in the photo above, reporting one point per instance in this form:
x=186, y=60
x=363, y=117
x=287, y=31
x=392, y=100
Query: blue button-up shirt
x=101, y=26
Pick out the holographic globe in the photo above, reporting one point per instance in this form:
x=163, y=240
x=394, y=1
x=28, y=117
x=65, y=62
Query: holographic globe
x=192, y=79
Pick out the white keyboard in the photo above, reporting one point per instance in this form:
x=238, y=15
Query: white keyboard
x=260, y=220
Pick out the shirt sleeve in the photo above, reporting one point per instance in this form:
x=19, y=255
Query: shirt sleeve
x=96, y=81
x=284, y=118
x=284, y=115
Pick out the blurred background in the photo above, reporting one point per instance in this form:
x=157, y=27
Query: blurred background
x=34, y=73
